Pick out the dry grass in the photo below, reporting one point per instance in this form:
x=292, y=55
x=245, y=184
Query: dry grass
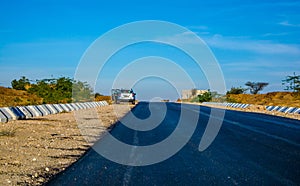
x=11, y=97
x=104, y=98
x=273, y=98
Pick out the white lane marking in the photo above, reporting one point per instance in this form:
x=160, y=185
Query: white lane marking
x=128, y=173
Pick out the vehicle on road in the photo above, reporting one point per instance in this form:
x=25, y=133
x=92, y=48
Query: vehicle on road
x=123, y=95
x=250, y=149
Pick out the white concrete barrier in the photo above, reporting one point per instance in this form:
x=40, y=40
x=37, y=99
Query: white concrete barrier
x=52, y=108
x=289, y=110
x=58, y=108
x=74, y=106
x=233, y=105
x=80, y=105
x=92, y=104
x=34, y=111
x=65, y=108
x=276, y=108
x=284, y=109
x=46, y=109
x=269, y=108
x=43, y=110
x=87, y=105
x=70, y=106
x=8, y=113
x=18, y=112
x=25, y=112
x=297, y=111
x=3, y=118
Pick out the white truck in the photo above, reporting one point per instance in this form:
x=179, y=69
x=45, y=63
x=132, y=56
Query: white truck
x=123, y=95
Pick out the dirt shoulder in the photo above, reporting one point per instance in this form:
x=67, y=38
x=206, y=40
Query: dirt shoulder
x=32, y=151
x=257, y=109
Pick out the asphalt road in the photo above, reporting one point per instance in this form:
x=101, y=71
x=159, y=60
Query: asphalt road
x=250, y=149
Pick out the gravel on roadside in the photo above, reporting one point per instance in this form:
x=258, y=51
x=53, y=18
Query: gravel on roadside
x=33, y=150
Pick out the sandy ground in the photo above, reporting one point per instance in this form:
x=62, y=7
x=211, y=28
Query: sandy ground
x=32, y=151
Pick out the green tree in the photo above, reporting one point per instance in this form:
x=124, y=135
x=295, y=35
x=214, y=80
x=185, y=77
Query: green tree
x=82, y=92
x=20, y=84
x=43, y=89
x=98, y=95
x=63, y=89
x=292, y=82
x=236, y=90
x=255, y=87
x=59, y=90
x=205, y=97
x=56, y=90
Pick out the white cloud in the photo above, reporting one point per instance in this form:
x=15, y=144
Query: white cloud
x=261, y=64
x=275, y=34
x=203, y=33
x=257, y=46
x=282, y=74
x=199, y=27
x=182, y=38
x=187, y=33
x=287, y=23
x=243, y=43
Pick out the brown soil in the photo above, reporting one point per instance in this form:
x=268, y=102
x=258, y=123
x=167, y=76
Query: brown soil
x=32, y=151
x=11, y=97
x=273, y=98
x=104, y=98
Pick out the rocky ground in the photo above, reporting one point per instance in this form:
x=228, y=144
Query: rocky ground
x=33, y=150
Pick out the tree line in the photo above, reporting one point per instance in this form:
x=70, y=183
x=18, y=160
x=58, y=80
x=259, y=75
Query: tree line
x=56, y=90
x=290, y=82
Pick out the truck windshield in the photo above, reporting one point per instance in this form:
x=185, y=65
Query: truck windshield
x=125, y=91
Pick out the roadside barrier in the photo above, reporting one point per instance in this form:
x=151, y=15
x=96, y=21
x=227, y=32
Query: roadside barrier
x=3, y=118
x=18, y=112
x=290, y=110
x=25, y=112
x=234, y=105
x=8, y=113
x=284, y=109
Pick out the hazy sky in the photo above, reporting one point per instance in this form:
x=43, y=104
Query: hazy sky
x=251, y=40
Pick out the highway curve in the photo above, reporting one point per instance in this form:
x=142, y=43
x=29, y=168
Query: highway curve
x=250, y=148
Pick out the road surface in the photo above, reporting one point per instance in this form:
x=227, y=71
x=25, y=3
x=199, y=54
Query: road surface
x=250, y=148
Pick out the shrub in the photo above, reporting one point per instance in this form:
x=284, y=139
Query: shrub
x=205, y=97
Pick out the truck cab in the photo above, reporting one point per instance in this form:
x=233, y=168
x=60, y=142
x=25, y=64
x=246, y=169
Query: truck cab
x=123, y=95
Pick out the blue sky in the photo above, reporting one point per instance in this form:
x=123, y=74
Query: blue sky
x=252, y=40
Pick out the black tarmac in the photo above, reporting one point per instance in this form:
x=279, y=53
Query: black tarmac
x=250, y=149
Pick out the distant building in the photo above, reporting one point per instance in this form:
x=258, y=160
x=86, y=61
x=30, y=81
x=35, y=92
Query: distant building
x=188, y=94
